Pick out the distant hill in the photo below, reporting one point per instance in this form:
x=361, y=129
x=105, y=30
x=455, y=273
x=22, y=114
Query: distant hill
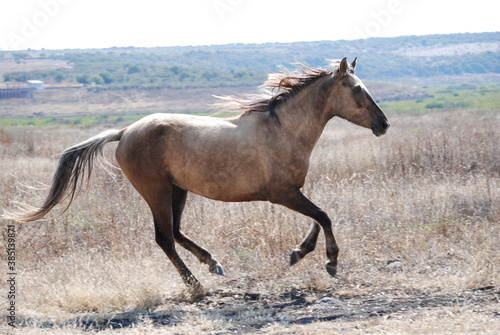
x=391, y=59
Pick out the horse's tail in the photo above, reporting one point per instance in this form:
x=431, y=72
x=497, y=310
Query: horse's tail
x=75, y=166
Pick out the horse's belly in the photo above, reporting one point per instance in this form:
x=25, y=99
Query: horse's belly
x=222, y=184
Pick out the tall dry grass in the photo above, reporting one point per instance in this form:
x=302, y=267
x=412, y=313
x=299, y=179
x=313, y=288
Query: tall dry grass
x=426, y=194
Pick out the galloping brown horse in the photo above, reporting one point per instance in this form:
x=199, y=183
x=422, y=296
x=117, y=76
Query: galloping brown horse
x=263, y=154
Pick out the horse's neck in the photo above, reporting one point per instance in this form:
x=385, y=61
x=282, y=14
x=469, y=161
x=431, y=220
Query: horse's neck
x=302, y=116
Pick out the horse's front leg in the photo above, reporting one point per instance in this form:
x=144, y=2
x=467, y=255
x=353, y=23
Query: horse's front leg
x=295, y=200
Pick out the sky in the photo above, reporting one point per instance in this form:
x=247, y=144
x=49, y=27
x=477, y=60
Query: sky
x=78, y=24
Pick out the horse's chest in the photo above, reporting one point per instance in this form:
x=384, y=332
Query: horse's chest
x=290, y=171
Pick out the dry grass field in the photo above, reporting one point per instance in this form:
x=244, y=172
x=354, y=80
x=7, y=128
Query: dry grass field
x=83, y=101
x=416, y=214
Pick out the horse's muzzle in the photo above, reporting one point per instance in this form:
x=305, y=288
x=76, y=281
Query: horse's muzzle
x=380, y=127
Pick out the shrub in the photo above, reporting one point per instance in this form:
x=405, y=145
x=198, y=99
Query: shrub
x=434, y=105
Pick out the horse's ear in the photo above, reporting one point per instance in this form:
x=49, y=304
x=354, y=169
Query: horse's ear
x=343, y=67
x=353, y=64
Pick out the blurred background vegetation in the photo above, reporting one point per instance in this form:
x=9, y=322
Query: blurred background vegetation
x=235, y=65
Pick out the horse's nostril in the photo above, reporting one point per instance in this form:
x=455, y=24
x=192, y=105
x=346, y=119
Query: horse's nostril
x=385, y=124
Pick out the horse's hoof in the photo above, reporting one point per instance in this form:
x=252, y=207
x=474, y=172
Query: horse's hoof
x=196, y=293
x=331, y=269
x=294, y=257
x=217, y=269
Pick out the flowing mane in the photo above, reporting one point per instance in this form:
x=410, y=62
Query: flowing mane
x=278, y=88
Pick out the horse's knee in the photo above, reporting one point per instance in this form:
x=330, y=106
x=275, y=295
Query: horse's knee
x=323, y=220
x=159, y=239
x=158, y=236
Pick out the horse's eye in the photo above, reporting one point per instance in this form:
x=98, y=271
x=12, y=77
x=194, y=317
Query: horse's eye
x=356, y=89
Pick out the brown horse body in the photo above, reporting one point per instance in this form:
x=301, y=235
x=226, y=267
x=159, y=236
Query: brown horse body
x=262, y=154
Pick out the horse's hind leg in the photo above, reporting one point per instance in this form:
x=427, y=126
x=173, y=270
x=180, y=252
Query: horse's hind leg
x=307, y=245
x=178, y=202
x=161, y=208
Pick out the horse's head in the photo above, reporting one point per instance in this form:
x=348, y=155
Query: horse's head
x=354, y=103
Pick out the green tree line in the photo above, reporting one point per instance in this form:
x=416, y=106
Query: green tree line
x=248, y=65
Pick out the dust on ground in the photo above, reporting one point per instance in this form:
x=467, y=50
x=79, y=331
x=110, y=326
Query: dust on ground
x=252, y=311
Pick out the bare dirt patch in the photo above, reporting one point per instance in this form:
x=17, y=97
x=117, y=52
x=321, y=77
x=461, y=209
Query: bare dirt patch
x=242, y=311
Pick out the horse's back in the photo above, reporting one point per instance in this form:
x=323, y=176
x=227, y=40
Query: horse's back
x=216, y=158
